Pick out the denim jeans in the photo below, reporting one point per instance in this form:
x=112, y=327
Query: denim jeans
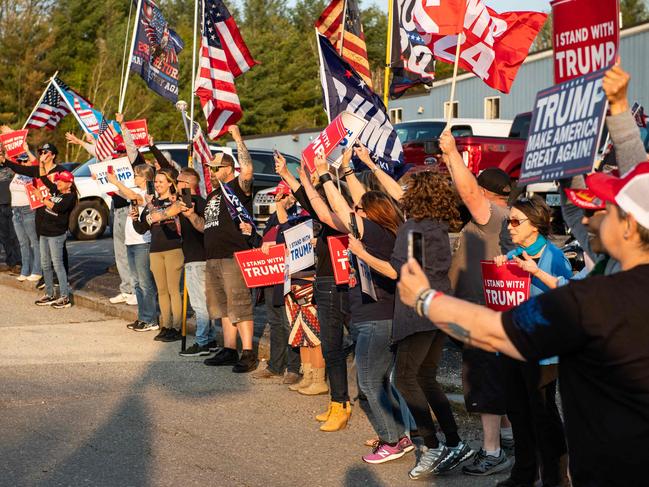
x=195, y=279
x=8, y=236
x=145, y=290
x=119, y=247
x=374, y=361
x=52, y=257
x=282, y=355
x=332, y=303
x=24, y=220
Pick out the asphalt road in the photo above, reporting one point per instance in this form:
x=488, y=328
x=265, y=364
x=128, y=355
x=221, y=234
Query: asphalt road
x=86, y=402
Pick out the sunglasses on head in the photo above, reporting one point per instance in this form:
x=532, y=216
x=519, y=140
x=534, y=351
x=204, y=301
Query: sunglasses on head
x=515, y=222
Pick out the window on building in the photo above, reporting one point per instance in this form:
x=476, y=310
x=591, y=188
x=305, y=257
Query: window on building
x=492, y=107
x=396, y=115
x=455, y=111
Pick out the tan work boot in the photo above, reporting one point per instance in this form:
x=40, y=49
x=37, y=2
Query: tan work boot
x=318, y=384
x=338, y=418
x=322, y=417
x=307, y=378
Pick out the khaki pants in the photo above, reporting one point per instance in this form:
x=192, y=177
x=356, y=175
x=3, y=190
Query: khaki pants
x=166, y=268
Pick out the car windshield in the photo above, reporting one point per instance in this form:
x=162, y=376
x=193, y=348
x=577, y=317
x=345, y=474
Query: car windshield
x=83, y=169
x=419, y=132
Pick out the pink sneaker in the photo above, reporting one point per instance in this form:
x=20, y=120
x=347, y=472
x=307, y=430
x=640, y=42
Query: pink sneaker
x=384, y=453
x=406, y=444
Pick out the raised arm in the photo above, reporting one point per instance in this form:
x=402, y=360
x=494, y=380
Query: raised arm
x=282, y=171
x=465, y=182
x=356, y=188
x=131, y=148
x=124, y=191
x=391, y=186
x=336, y=200
x=73, y=139
x=318, y=205
x=31, y=171
x=246, y=169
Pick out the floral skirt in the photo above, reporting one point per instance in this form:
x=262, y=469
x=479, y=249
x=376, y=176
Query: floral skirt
x=302, y=316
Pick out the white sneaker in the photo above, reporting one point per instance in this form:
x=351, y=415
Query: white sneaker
x=21, y=278
x=131, y=300
x=34, y=277
x=120, y=298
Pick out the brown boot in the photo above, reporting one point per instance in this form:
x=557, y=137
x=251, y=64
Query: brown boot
x=322, y=417
x=318, y=384
x=307, y=378
x=338, y=418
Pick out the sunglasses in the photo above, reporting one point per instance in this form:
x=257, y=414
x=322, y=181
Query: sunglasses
x=515, y=222
x=43, y=151
x=216, y=168
x=358, y=208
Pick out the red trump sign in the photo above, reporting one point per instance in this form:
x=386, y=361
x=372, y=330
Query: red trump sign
x=339, y=260
x=504, y=286
x=259, y=269
x=13, y=143
x=325, y=143
x=139, y=132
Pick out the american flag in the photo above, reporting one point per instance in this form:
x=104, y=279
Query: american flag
x=87, y=116
x=223, y=56
x=202, y=155
x=105, y=144
x=51, y=109
x=354, y=50
x=235, y=208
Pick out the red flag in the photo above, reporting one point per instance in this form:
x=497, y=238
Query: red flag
x=496, y=43
x=441, y=17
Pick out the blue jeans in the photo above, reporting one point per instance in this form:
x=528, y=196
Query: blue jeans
x=145, y=290
x=52, y=257
x=282, y=355
x=195, y=279
x=374, y=361
x=24, y=220
x=119, y=247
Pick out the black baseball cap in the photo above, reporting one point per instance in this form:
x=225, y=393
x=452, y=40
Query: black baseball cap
x=49, y=147
x=495, y=180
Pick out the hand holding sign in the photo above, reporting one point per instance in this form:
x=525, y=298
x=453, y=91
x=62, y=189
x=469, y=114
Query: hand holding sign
x=615, y=84
x=527, y=264
x=139, y=131
x=413, y=281
x=355, y=246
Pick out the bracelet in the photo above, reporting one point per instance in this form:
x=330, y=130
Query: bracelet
x=325, y=177
x=149, y=219
x=419, y=302
x=429, y=299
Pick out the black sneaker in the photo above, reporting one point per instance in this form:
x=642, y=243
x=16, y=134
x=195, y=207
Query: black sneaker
x=213, y=346
x=195, y=351
x=454, y=456
x=172, y=335
x=130, y=326
x=225, y=356
x=484, y=464
x=45, y=301
x=41, y=283
x=247, y=363
x=62, y=302
x=142, y=326
x=507, y=444
x=163, y=333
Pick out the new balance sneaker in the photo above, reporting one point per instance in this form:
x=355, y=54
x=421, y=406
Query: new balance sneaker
x=120, y=298
x=247, y=363
x=172, y=335
x=213, y=346
x=45, y=300
x=406, y=444
x=142, y=326
x=195, y=350
x=161, y=334
x=34, y=277
x=130, y=326
x=384, y=453
x=427, y=462
x=225, y=356
x=484, y=464
x=62, y=302
x=22, y=278
x=454, y=456
x=131, y=300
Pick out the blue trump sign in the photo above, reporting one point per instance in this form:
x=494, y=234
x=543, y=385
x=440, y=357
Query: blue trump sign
x=565, y=130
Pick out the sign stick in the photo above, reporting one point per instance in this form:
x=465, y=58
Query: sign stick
x=323, y=77
x=122, y=95
x=40, y=99
x=128, y=28
x=449, y=115
x=342, y=32
x=72, y=110
x=191, y=103
x=388, y=55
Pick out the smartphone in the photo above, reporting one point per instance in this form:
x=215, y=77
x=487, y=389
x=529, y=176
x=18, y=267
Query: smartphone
x=353, y=225
x=416, y=247
x=150, y=188
x=276, y=152
x=187, y=197
x=110, y=170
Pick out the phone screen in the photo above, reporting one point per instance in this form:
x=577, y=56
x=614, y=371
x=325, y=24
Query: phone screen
x=353, y=225
x=416, y=246
x=110, y=170
x=150, y=187
x=187, y=197
x=134, y=204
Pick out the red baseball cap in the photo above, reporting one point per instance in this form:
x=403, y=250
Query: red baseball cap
x=585, y=199
x=65, y=176
x=282, y=188
x=631, y=192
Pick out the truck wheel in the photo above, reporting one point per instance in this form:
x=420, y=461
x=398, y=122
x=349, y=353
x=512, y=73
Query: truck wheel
x=88, y=220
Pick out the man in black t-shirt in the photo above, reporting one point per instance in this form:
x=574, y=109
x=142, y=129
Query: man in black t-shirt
x=597, y=326
x=228, y=298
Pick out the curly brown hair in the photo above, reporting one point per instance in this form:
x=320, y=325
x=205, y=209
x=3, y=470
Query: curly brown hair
x=430, y=195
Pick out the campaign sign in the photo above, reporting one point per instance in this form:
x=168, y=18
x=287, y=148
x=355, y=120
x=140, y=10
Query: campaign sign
x=32, y=190
x=325, y=142
x=301, y=253
x=139, y=132
x=354, y=125
x=586, y=36
x=565, y=130
x=259, y=269
x=122, y=169
x=339, y=260
x=13, y=142
x=504, y=286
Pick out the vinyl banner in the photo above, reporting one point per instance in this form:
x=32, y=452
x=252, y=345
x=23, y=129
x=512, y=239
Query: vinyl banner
x=586, y=36
x=565, y=130
x=504, y=286
x=259, y=269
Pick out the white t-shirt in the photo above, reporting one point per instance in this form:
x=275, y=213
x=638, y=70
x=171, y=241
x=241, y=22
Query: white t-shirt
x=18, y=192
x=131, y=236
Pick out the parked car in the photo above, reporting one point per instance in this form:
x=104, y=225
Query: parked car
x=90, y=217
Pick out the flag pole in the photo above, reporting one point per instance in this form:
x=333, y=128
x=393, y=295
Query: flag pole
x=388, y=55
x=122, y=95
x=40, y=99
x=128, y=27
x=191, y=103
x=449, y=115
x=323, y=78
x=72, y=110
x=342, y=32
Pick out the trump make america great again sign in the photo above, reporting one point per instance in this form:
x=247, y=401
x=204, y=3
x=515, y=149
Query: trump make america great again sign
x=565, y=130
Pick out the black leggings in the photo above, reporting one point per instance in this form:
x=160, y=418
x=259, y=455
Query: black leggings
x=416, y=379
